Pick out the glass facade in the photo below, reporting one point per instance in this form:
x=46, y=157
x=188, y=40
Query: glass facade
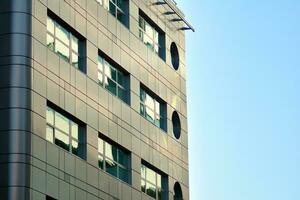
x=113, y=160
x=118, y=8
x=64, y=132
x=153, y=110
x=63, y=42
x=113, y=79
x=152, y=183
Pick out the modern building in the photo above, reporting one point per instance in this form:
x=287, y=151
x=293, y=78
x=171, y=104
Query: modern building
x=93, y=100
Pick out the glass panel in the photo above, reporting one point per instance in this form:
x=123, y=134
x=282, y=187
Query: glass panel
x=159, y=194
x=123, y=174
x=149, y=102
x=111, y=167
x=100, y=145
x=121, y=93
x=62, y=122
x=156, y=49
x=111, y=152
x=112, y=8
x=151, y=176
x=100, y=77
x=150, y=114
x=148, y=41
x=149, y=31
x=62, y=140
x=142, y=23
x=75, y=148
x=141, y=34
x=74, y=129
x=74, y=59
x=106, y=4
x=120, y=78
x=157, y=108
x=120, y=15
x=100, y=63
x=142, y=95
x=50, y=42
x=143, y=186
x=62, y=50
x=50, y=116
x=156, y=35
x=110, y=72
x=111, y=86
x=143, y=171
x=122, y=158
x=62, y=34
x=100, y=162
x=158, y=180
x=157, y=120
x=151, y=190
x=49, y=134
x=50, y=25
x=142, y=110
x=74, y=41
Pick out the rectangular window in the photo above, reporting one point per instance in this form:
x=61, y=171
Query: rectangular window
x=153, y=183
x=113, y=159
x=65, y=132
x=114, y=79
x=151, y=35
x=153, y=109
x=65, y=43
x=118, y=8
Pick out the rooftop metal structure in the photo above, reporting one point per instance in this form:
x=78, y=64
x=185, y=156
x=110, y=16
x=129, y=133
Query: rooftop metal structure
x=175, y=15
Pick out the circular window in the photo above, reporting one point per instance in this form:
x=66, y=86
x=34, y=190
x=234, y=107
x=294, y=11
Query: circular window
x=176, y=125
x=174, y=56
x=177, y=192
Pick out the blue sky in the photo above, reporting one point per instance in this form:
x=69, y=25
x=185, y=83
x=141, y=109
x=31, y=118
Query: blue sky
x=243, y=71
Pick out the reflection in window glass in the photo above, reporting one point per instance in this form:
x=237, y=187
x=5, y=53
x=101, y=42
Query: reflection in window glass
x=152, y=109
x=64, y=132
x=113, y=79
x=113, y=160
x=62, y=42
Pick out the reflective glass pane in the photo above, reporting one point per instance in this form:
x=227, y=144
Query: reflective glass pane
x=75, y=147
x=100, y=162
x=110, y=72
x=111, y=86
x=159, y=194
x=100, y=145
x=142, y=95
x=106, y=4
x=156, y=48
x=120, y=78
x=121, y=93
x=50, y=25
x=62, y=34
x=100, y=63
x=148, y=41
x=62, y=140
x=74, y=59
x=142, y=23
x=122, y=158
x=50, y=42
x=141, y=34
x=156, y=35
x=149, y=31
x=158, y=180
x=151, y=175
x=142, y=110
x=157, y=108
x=149, y=114
x=74, y=129
x=149, y=102
x=49, y=134
x=143, y=186
x=151, y=190
x=111, y=152
x=50, y=116
x=111, y=167
x=62, y=122
x=143, y=171
x=123, y=174
x=74, y=43
x=62, y=50
x=112, y=8
x=120, y=15
x=100, y=78
x=157, y=120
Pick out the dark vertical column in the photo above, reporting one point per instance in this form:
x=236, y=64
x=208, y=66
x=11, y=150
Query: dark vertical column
x=15, y=98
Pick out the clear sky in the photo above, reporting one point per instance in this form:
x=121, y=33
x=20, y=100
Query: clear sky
x=243, y=71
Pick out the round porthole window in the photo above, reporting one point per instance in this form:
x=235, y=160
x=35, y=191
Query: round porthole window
x=174, y=56
x=177, y=192
x=176, y=125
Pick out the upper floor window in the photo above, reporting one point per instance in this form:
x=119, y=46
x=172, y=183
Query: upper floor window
x=114, y=160
x=153, y=183
x=151, y=35
x=153, y=109
x=113, y=78
x=65, y=43
x=65, y=132
x=118, y=8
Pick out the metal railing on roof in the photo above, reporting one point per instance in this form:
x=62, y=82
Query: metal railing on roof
x=173, y=11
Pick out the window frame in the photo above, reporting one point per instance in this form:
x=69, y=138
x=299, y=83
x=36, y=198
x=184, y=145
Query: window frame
x=75, y=50
x=105, y=158
x=80, y=140
x=162, y=108
x=163, y=188
x=125, y=88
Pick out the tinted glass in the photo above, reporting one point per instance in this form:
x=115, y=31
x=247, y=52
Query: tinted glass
x=62, y=34
x=61, y=122
x=62, y=140
x=62, y=50
x=123, y=174
x=50, y=116
x=151, y=190
x=151, y=176
x=111, y=151
x=100, y=162
x=111, y=167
